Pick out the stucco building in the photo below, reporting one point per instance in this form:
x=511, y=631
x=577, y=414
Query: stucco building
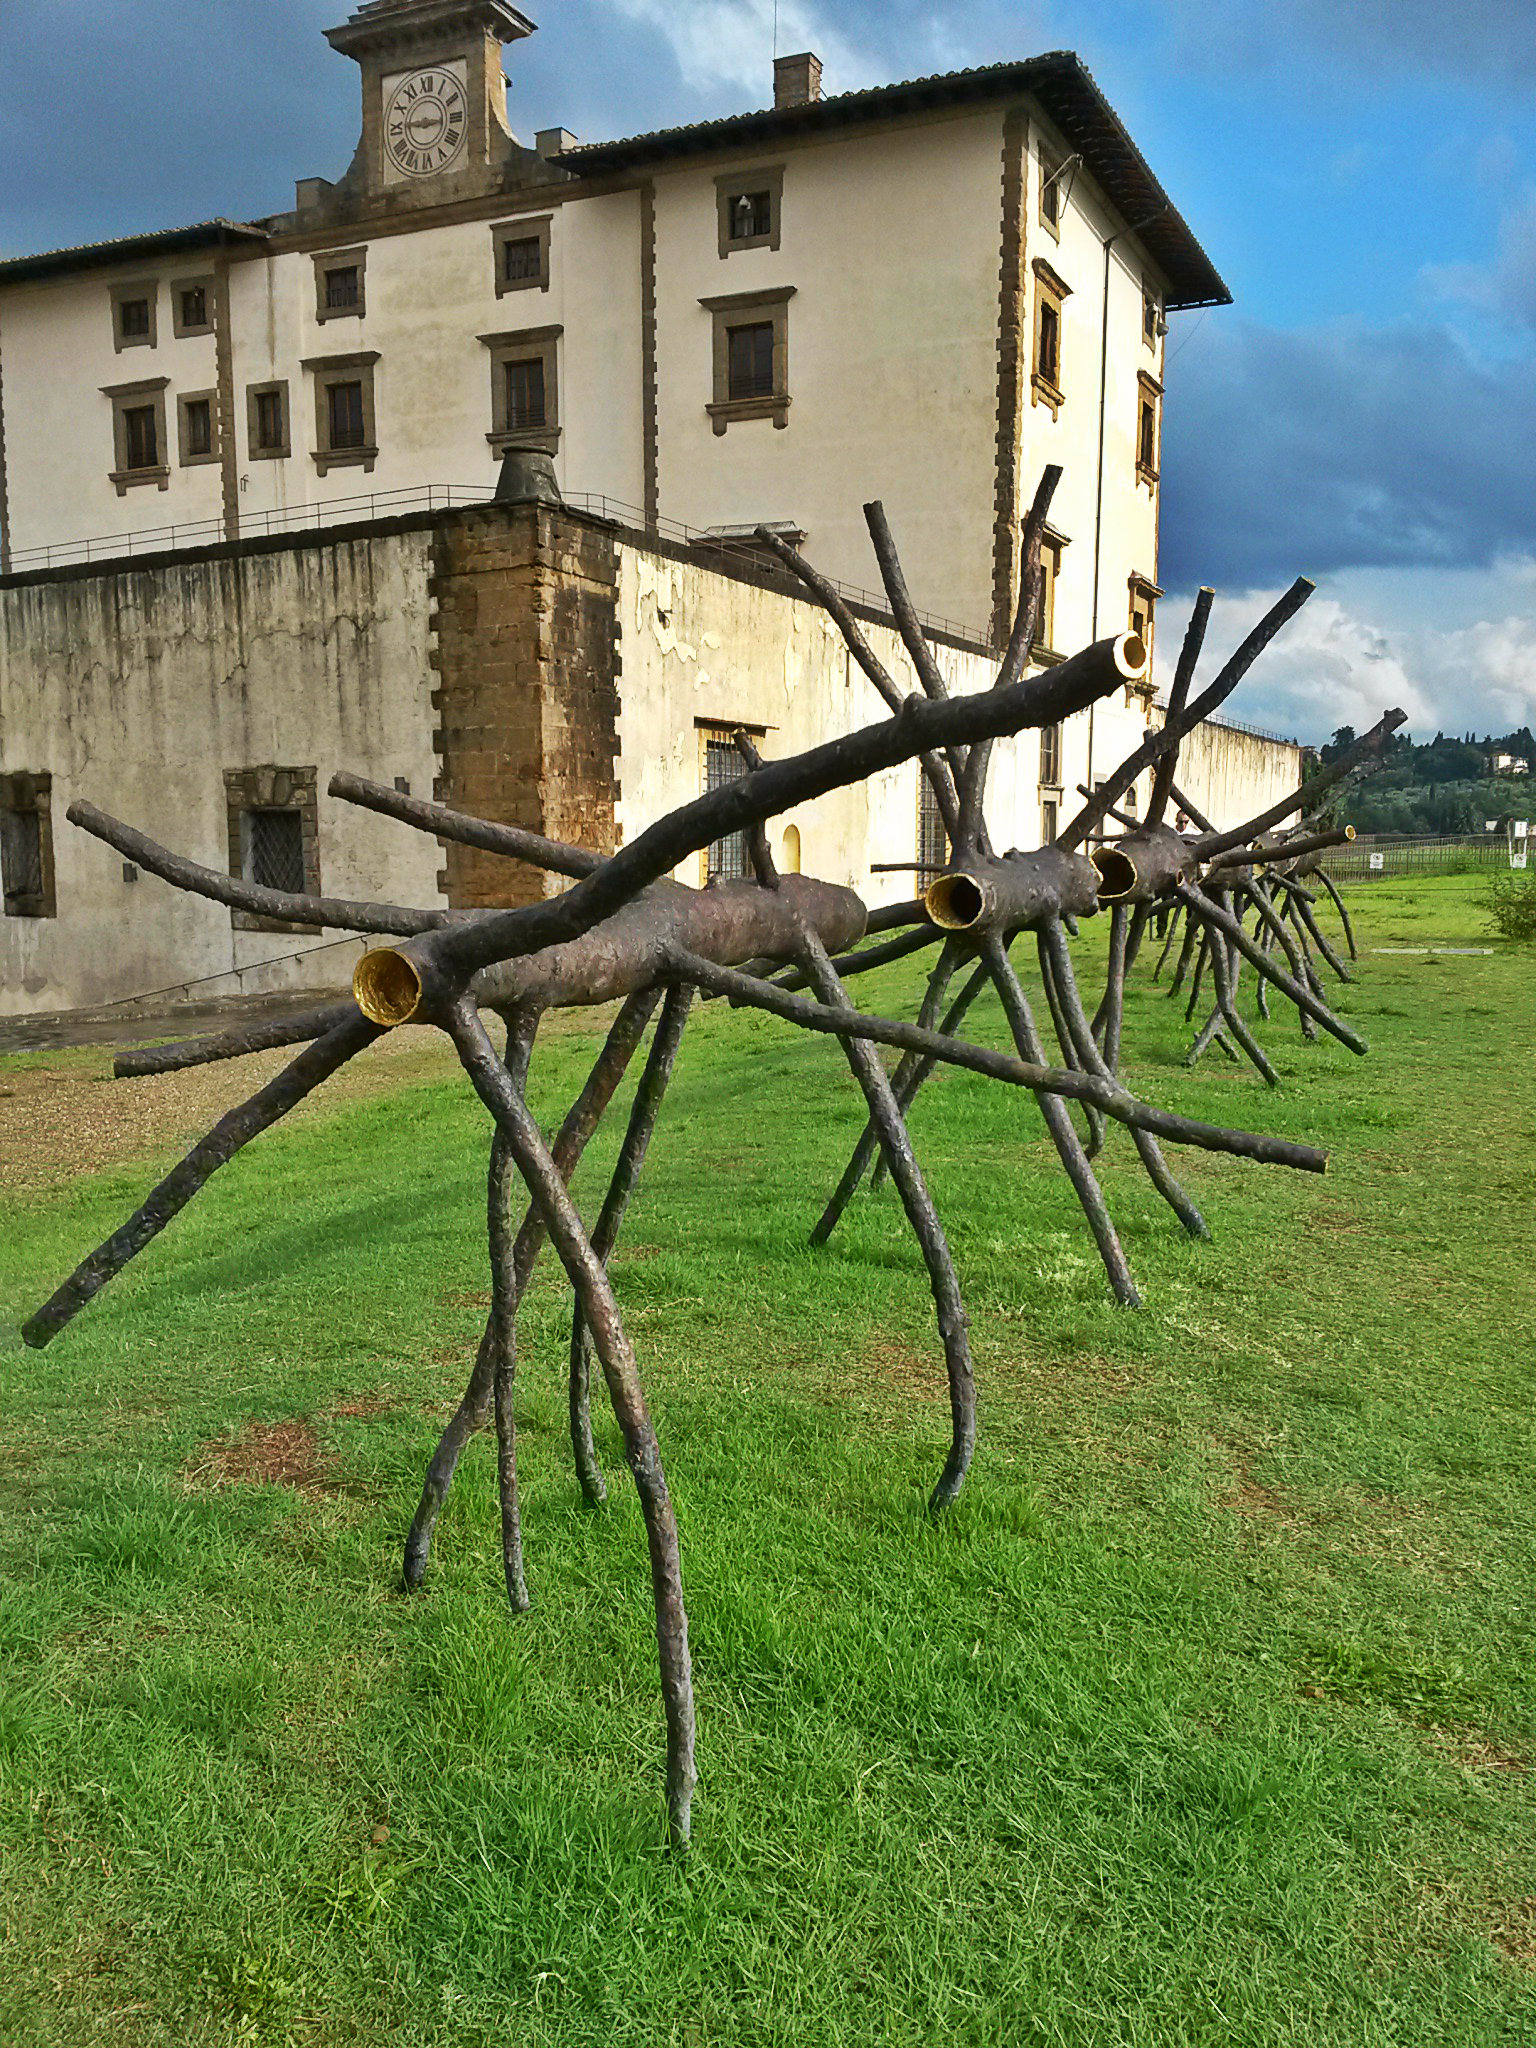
x=922, y=293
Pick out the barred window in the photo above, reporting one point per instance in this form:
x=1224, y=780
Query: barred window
x=271, y=434
x=194, y=306
x=1050, y=756
x=523, y=260
x=273, y=849
x=932, y=839
x=133, y=319
x=1048, y=822
x=343, y=288
x=26, y=852
x=727, y=860
x=751, y=215
x=199, y=426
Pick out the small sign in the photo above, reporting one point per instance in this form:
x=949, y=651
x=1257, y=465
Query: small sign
x=1378, y=862
x=1522, y=828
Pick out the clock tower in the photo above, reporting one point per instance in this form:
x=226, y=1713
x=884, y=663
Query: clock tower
x=434, y=95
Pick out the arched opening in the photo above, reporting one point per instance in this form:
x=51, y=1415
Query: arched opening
x=789, y=854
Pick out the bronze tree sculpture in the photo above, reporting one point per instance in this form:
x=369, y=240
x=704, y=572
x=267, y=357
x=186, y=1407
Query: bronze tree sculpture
x=624, y=932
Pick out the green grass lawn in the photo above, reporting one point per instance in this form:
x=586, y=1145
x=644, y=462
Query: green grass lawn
x=1207, y=1717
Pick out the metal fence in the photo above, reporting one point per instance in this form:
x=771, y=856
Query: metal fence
x=1373, y=858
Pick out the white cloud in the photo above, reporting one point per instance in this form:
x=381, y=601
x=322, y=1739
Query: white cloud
x=1507, y=285
x=720, y=43
x=1336, y=665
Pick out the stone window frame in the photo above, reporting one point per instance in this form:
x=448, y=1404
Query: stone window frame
x=269, y=788
x=718, y=731
x=1143, y=596
x=179, y=285
x=147, y=288
x=771, y=305
x=148, y=393
x=1053, y=291
x=524, y=344
x=1151, y=314
x=1149, y=396
x=1050, y=819
x=323, y=372
x=730, y=185
x=327, y=260
x=187, y=459
x=530, y=228
x=1052, y=545
x=32, y=795
x=253, y=392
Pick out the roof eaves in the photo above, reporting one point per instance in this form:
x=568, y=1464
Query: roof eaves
x=1058, y=79
x=206, y=234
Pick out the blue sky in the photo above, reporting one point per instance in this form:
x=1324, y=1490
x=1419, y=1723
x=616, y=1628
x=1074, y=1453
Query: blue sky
x=1362, y=171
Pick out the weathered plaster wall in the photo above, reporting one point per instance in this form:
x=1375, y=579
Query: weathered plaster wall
x=138, y=689
x=1233, y=775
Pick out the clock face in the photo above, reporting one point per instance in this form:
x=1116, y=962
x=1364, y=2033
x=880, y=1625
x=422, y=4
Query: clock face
x=426, y=119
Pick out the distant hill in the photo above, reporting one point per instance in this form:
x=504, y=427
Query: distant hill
x=1445, y=785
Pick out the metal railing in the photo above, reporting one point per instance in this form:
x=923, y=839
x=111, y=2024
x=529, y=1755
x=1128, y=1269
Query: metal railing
x=201, y=533
x=374, y=505
x=1375, y=857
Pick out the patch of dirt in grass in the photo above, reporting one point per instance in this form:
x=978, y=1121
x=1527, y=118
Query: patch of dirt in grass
x=58, y=1119
x=267, y=1454
x=1471, y=1750
x=364, y=1408
x=1513, y=1931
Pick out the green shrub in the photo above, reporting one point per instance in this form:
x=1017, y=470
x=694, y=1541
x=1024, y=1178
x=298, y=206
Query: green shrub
x=1512, y=904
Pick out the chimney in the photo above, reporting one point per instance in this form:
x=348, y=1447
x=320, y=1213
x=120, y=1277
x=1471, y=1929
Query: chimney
x=796, y=80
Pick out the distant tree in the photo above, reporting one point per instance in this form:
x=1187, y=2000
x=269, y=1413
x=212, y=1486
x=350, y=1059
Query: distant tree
x=1341, y=743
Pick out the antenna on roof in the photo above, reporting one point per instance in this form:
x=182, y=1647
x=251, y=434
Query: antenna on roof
x=775, y=31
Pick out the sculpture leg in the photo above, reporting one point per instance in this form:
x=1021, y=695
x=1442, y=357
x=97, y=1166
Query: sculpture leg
x=1071, y=1054
x=546, y=1184
x=1186, y=954
x=869, y=1071
x=475, y=1408
x=1059, y=1124
x=1338, y=903
x=1171, y=923
x=1054, y=958
x=637, y=1139
x=1221, y=972
x=505, y=1294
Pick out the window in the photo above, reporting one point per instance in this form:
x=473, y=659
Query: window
x=932, y=839
x=267, y=422
x=272, y=849
x=141, y=437
x=749, y=365
x=345, y=432
x=26, y=846
x=1148, y=426
x=138, y=434
x=1142, y=620
x=1048, y=827
x=1050, y=756
x=191, y=306
x=749, y=206
x=1051, y=171
x=133, y=315
x=1051, y=294
x=728, y=859
x=751, y=357
x=1151, y=313
x=522, y=254
x=525, y=393
x=340, y=284
x=1050, y=574
x=197, y=412
x=273, y=839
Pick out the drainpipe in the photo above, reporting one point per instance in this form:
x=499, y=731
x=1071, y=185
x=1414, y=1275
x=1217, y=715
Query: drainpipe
x=1098, y=503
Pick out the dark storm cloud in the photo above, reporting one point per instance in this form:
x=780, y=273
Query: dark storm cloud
x=1346, y=447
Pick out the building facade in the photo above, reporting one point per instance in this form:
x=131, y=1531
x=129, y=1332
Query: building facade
x=922, y=293
x=225, y=570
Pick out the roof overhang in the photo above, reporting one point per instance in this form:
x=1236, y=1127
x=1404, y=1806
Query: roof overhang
x=384, y=23
x=1058, y=81
x=208, y=234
